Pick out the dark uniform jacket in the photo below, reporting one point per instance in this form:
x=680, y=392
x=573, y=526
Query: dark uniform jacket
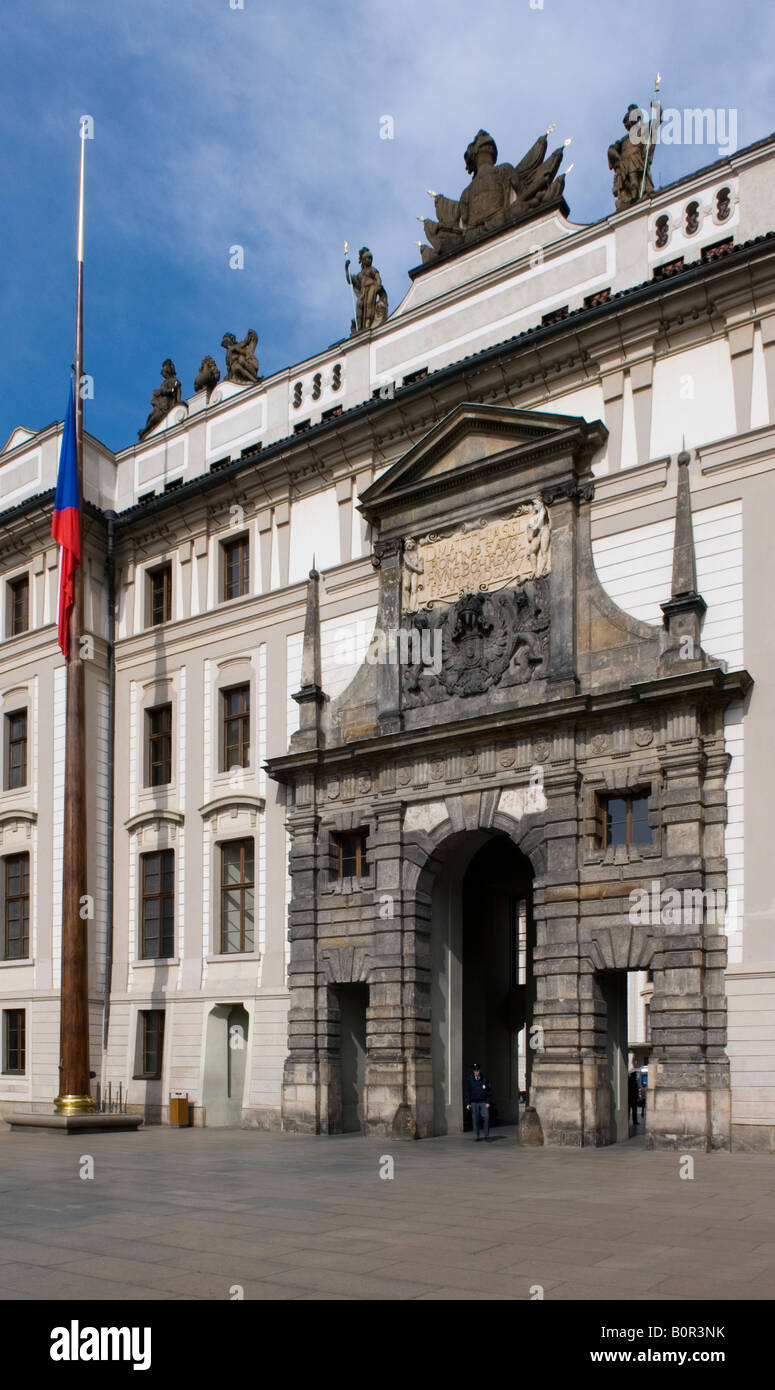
x=477, y=1089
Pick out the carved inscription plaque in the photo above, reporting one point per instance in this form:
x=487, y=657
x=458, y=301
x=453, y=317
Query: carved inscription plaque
x=481, y=556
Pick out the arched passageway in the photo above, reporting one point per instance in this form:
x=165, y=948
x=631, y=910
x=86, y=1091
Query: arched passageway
x=482, y=990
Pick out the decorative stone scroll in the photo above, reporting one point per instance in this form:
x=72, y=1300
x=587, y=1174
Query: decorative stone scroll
x=479, y=557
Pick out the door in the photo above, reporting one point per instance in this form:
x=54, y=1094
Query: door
x=613, y=985
x=353, y=1002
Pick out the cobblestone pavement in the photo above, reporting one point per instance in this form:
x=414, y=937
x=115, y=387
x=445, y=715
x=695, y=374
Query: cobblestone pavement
x=188, y=1214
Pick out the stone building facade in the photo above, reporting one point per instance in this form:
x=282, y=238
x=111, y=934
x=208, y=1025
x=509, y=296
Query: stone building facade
x=582, y=418
x=548, y=701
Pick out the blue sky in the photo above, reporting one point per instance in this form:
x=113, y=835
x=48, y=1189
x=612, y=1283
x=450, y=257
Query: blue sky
x=260, y=127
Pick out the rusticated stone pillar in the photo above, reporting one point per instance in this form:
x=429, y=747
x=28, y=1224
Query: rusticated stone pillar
x=303, y=1105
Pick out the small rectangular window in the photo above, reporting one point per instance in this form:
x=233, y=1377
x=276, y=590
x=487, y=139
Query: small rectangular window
x=16, y=906
x=236, y=568
x=235, y=706
x=626, y=820
x=16, y=749
x=350, y=851
x=159, y=746
x=18, y=605
x=157, y=877
x=159, y=595
x=14, y=1042
x=518, y=941
x=237, y=896
x=151, y=1044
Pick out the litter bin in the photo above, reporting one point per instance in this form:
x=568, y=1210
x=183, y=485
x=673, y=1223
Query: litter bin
x=179, y=1109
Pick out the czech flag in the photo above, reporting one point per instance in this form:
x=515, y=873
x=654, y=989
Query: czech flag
x=65, y=524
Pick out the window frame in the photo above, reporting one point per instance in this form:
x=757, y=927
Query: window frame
x=162, y=896
x=242, y=887
x=23, y=897
x=19, y=582
x=628, y=797
x=21, y=1045
x=156, y=572
x=242, y=718
x=10, y=743
x=152, y=739
x=243, y=579
x=362, y=867
x=144, y=1073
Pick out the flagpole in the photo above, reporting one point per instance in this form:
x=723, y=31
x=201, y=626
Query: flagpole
x=74, y=1096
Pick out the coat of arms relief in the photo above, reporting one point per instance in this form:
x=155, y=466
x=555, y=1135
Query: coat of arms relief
x=483, y=592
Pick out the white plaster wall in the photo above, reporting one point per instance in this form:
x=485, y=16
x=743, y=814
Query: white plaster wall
x=751, y=1043
x=314, y=533
x=692, y=399
x=635, y=568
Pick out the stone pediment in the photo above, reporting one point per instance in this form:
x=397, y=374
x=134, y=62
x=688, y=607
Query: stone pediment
x=472, y=445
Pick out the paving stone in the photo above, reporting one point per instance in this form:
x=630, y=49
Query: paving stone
x=187, y=1215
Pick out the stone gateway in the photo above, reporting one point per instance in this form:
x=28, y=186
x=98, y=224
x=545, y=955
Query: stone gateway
x=472, y=804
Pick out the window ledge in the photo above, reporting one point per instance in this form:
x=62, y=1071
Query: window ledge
x=162, y=813
x=350, y=884
x=17, y=960
x=232, y=955
x=154, y=961
x=9, y=812
x=232, y=800
x=622, y=855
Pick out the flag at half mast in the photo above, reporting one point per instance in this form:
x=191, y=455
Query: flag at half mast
x=65, y=524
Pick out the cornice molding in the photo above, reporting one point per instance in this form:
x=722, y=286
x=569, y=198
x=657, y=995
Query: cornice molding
x=240, y=801
x=148, y=817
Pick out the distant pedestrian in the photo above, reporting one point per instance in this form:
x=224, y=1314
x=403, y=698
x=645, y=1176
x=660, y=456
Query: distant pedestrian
x=478, y=1100
x=633, y=1094
x=644, y=1081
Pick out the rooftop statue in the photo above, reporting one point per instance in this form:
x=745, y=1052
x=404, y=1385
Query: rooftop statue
x=371, y=304
x=632, y=156
x=241, y=360
x=207, y=377
x=497, y=195
x=163, y=399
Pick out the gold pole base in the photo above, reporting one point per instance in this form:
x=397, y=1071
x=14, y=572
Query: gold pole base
x=74, y=1105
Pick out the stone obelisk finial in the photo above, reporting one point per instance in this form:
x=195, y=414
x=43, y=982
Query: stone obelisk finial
x=684, y=610
x=310, y=697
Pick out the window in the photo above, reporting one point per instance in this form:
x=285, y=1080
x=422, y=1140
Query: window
x=236, y=568
x=237, y=885
x=626, y=820
x=159, y=741
x=14, y=1042
x=151, y=1044
x=16, y=907
x=158, y=904
x=235, y=705
x=518, y=970
x=19, y=605
x=350, y=852
x=16, y=749
x=159, y=595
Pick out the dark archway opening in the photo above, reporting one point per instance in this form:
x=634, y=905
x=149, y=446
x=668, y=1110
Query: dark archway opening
x=352, y=1001
x=483, y=990
x=498, y=995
